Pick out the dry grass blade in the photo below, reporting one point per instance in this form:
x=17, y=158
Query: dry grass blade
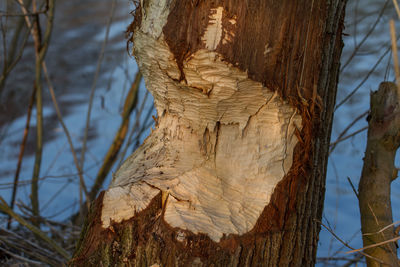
x=5, y=208
x=23, y=259
x=20, y=244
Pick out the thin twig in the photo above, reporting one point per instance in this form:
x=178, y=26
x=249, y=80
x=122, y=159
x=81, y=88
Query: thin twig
x=353, y=261
x=13, y=46
x=371, y=71
x=9, y=67
x=59, y=212
x=60, y=118
x=119, y=138
x=349, y=263
x=55, y=195
x=348, y=136
x=96, y=75
x=364, y=38
x=352, y=186
x=333, y=145
x=347, y=245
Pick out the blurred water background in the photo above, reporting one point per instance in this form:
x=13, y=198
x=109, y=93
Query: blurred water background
x=80, y=30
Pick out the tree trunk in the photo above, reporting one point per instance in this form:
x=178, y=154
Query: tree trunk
x=377, y=175
x=234, y=172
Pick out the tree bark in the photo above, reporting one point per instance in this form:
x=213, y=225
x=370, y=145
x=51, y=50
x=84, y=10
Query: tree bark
x=377, y=175
x=234, y=172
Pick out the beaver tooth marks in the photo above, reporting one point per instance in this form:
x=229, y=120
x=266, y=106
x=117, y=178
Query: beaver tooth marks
x=222, y=144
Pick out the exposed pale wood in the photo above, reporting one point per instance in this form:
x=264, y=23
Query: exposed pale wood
x=219, y=136
x=233, y=173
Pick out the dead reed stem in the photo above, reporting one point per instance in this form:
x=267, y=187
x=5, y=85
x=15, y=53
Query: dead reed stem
x=21, y=153
x=41, y=46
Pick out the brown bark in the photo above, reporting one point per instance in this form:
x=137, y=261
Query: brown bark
x=377, y=175
x=292, y=48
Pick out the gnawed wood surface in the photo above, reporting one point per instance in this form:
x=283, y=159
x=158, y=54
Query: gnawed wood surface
x=378, y=173
x=234, y=172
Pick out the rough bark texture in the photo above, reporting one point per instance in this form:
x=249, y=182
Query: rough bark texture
x=196, y=62
x=377, y=175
